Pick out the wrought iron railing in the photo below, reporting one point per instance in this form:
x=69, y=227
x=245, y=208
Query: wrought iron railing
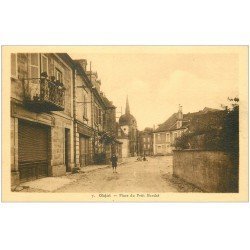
x=43, y=91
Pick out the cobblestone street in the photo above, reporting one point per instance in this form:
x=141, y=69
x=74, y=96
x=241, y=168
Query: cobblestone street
x=154, y=175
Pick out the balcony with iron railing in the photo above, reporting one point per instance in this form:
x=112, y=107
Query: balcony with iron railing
x=43, y=94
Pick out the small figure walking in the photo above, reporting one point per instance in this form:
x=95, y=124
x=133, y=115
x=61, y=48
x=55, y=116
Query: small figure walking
x=114, y=160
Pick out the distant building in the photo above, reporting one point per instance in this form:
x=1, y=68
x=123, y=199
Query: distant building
x=179, y=123
x=146, y=142
x=110, y=128
x=124, y=139
x=128, y=125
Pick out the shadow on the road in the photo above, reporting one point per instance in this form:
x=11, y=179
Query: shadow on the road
x=113, y=177
x=181, y=185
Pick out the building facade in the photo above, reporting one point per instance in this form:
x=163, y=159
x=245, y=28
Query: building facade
x=113, y=145
x=95, y=119
x=166, y=134
x=42, y=131
x=146, y=142
x=83, y=118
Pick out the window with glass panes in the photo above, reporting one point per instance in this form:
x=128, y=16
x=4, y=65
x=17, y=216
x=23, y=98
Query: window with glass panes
x=58, y=75
x=34, y=65
x=44, y=64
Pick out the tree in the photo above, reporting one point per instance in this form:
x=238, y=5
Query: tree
x=223, y=137
x=231, y=129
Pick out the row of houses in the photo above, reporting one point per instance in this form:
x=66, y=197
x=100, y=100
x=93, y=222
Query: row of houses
x=162, y=140
x=60, y=118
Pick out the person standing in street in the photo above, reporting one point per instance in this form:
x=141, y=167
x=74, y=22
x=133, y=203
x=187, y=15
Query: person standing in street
x=114, y=160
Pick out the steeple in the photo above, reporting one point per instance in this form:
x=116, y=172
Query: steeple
x=127, y=110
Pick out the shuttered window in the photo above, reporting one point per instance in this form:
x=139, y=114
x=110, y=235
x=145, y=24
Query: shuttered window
x=58, y=75
x=34, y=86
x=32, y=142
x=96, y=114
x=14, y=65
x=34, y=65
x=100, y=116
x=84, y=106
x=44, y=64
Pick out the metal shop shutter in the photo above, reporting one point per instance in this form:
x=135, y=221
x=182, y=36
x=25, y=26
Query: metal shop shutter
x=32, y=150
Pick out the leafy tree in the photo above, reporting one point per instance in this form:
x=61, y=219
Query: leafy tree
x=230, y=134
x=210, y=137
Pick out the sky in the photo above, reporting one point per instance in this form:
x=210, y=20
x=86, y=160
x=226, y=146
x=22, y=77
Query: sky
x=157, y=81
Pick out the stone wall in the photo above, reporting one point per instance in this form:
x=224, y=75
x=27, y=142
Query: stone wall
x=58, y=164
x=211, y=171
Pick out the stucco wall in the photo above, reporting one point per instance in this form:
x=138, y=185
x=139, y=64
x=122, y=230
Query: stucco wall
x=212, y=171
x=125, y=147
x=58, y=164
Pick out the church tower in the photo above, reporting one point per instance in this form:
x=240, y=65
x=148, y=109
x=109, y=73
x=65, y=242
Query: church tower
x=127, y=110
x=129, y=126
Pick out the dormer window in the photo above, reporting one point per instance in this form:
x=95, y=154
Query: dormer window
x=179, y=124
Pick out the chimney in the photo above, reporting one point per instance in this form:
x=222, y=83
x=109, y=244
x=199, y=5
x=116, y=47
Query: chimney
x=180, y=117
x=180, y=114
x=83, y=63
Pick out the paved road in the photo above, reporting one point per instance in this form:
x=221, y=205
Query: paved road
x=132, y=176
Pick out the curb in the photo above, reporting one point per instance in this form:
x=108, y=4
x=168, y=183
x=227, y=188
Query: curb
x=91, y=170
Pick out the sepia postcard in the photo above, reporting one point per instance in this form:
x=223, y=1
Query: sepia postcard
x=125, y=123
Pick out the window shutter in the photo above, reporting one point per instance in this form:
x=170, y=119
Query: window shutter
x=34, y=87
x=13, y=65
x=34, y=65
x=44, y=66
